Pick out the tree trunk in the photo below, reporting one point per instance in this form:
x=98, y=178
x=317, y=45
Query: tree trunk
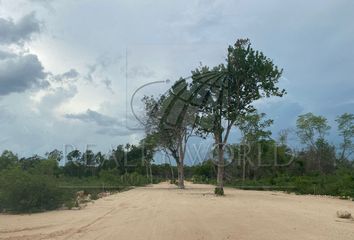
x=180, y=175
x=180, y=164
x=147, y=169
x=172, y=174
x=150, y=173
x=219, y=190
x=244, y=170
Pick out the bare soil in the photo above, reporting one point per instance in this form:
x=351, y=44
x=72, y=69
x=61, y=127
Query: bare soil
x=163, y=212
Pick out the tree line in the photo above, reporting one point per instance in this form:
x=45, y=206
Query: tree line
x=41, y=183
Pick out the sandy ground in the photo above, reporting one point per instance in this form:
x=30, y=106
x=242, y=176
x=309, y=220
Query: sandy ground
x=164, y=212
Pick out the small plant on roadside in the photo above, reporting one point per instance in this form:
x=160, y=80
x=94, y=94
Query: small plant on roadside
x=219, y=191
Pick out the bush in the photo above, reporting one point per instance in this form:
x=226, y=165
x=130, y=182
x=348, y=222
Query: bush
x=219, y=191
x=341, y=184
x=113, y=178
x=70, y=204
x=36, y=184
x=24, y=192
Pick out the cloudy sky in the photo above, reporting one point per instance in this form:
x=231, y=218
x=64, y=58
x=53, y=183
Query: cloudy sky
x=68, y=69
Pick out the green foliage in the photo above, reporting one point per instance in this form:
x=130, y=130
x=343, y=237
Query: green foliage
x=219, y=191
x=38, y=184
x=46, y=167
x=346, y=130
x=170, y=122
x=21, y=191
x=341, y=184
x=7, y=160
x=319, y=154
x=253, y=127
x=310, y=128
x=228, y=92
x=70, y=204
x=109, y=176
x=33, y=191
x=202, y=179
x=55, y=155
x=204, y=173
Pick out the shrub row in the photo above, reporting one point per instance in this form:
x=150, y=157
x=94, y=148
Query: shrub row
x=22, y=191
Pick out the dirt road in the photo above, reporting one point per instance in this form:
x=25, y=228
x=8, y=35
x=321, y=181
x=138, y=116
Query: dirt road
x=164, y=212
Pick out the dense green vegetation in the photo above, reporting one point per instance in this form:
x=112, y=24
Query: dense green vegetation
x=319, y=167
x=37, y=184
x=338, y=183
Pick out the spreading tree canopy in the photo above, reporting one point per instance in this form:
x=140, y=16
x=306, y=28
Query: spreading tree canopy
x=226, y=92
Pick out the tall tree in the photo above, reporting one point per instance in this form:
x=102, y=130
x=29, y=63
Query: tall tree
x=283, y=136
x=149, y=144
x=7, y=160
x=311, y=130
x=346, y=130
x=227, y=92
x=253, y=129
x=74, y=164
x=55, y=155
x=119, y=158
x=171, y=120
